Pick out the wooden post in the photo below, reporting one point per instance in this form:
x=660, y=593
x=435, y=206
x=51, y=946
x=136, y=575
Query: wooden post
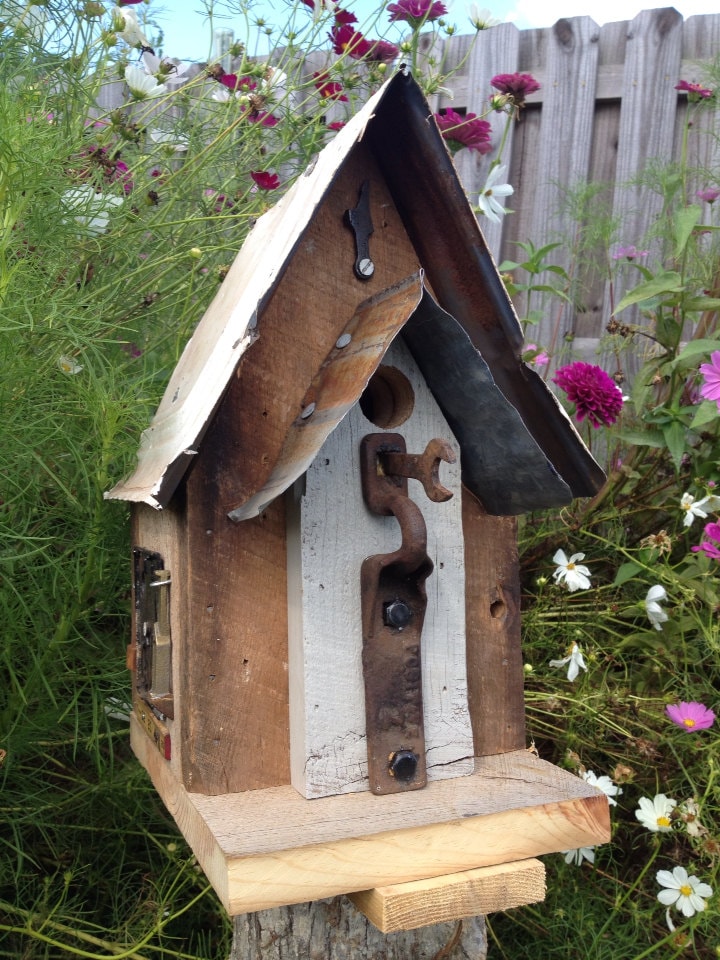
x=334, y=930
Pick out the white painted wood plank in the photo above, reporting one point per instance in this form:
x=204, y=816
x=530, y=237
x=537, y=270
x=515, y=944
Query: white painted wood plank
x=331, y=533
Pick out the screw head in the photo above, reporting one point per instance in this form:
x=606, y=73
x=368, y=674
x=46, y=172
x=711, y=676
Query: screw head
x=397, y=614
x=403, y=765
x=365, y=267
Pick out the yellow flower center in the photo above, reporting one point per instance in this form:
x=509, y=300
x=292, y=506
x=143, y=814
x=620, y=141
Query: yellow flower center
x=663, y=822
x=688, y=722
x=686, y=890
x=570, y=566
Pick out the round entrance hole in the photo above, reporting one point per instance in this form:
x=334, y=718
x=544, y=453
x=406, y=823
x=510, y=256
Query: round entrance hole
x=388, y=399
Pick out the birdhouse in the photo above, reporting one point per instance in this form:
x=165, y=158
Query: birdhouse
x=326, y=663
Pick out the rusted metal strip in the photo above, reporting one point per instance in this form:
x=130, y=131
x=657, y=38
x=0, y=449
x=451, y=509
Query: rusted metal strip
x=393, y=606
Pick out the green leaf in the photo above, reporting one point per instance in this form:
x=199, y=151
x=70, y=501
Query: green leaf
x=701, y=303
x=642, y=438
x=669, y=281
x=696, y=348
x=706, y=412
x=686, y=220
x=626, y=572
x=508, y=265
x=676, y=438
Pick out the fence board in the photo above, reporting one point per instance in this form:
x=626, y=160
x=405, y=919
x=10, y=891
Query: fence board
x=607, y=106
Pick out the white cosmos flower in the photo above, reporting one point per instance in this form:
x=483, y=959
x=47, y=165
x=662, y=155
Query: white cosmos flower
x=574, y=660
x=577, y=856
x=655, y=612
x=569, y=572
x=654, y=814
x=90, y=209
x=487, y=201
x=698, y=508
x=481, y=18
x=603, y=783
x=142, y=86
x=686, y=893
x=125, y=24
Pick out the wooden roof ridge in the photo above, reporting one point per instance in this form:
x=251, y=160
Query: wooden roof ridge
x=227, y=327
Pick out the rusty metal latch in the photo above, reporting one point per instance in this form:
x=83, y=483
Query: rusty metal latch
x=393, y=610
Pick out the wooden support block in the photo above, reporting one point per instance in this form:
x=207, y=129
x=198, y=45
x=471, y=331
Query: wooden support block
x=269, y=848
x=472, y=893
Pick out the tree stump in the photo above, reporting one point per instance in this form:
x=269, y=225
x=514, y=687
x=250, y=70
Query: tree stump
x=334, y=930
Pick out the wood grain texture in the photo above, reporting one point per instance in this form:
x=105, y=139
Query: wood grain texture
x=268, y=848
x=494, y=655
x=420, y=903
x=334, y=929
x=332, y=533
x=234, y=680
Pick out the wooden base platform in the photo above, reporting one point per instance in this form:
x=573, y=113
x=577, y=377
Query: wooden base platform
x=268, y=848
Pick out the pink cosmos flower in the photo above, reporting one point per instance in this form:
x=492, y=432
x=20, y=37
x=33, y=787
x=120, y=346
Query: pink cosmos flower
x=629, y=253
x=464, y=131
x=265, y=180
x=709, y=194
x=594, y=394
x=710, y=388
x=690, y=716
x=327, y=88
x=381, y=52
x=416, y=12
x=336, y=125
x=347, y=40
x=694, y=91
x=710, y=545
x=262, y=117
x=238, y=84
x=517, y=85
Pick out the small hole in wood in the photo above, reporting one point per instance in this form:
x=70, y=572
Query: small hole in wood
x=497, y=610
x=388, y=399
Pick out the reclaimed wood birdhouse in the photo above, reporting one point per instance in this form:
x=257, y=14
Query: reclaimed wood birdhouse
x=327, y=675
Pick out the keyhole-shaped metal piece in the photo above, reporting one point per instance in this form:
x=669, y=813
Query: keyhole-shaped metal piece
x=360, y=221
x=393, y=610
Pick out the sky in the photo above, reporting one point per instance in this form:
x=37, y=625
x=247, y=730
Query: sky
x=188, y=32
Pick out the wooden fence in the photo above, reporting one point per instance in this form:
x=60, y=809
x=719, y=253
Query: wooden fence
x=607, y=107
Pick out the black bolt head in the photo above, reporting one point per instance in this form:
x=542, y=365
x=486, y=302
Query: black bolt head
x=403, y=765
x=397, y=614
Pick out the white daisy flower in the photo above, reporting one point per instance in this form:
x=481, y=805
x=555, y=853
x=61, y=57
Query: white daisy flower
x=487, y=201
x=656, y=614
x=577, y=856
x=575, y=662
x=570, y=572
x=654, y=814
x=142, y=86
x=686, y=893
x=603, y=783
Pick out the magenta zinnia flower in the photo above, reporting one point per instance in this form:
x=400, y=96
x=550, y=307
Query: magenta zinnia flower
x=416, y=12
x=517, y=85
x=691, y=716
x=265, y=180
x=464, y=131
x=710, y=388
x=709, y=194
x=594, y=394
x=710, y=545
